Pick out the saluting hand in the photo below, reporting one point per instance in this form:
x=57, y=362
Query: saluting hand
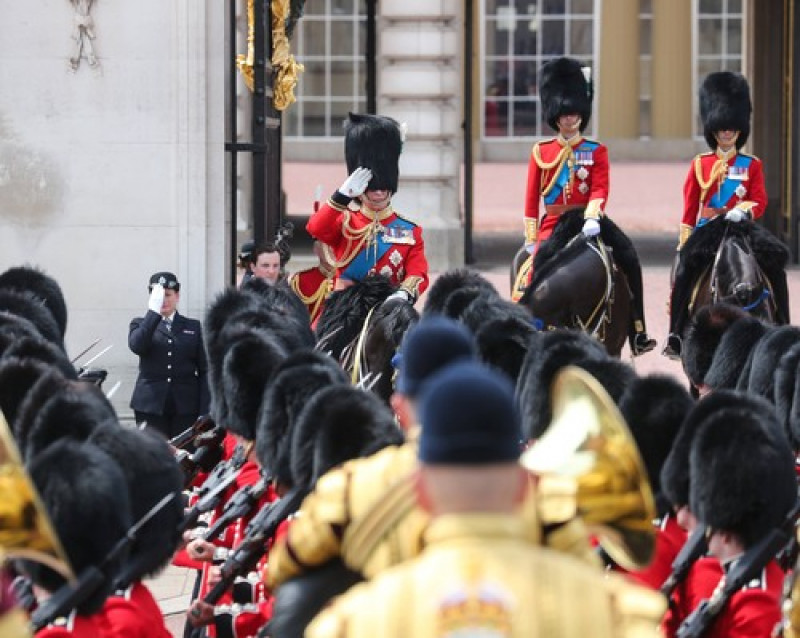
x=356, y=184
x=156, y=298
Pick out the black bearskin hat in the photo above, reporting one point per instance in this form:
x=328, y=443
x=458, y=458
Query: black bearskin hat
x=44, y=351
x=374, y=142
x=86, y=497
x=733, y=354
x=451, y=282
x=151, y=474
x=725, y=106
x=27, y=305
x=337, y=425
x=702, y=338
x=564, y=90
x=742, y=470
x=299, y=377
x=787, y=394
x=14, y=327
x=547, y=354
x=42, y=286
x=654, y=407
x=17, y=376
x=767, y=354
x=247, y=369
x=57, y=408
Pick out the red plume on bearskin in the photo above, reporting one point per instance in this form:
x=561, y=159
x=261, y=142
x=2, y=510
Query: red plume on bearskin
x=374, y=142
x=725, y=106
x=564, y=90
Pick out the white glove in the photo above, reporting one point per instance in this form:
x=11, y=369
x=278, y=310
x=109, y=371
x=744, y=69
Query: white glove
x=156, y=298
x=591, y=228
x=400, y=294
x=736, y=215
x=356, y=184
x=531, y=248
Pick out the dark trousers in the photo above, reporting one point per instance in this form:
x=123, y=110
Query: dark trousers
x=168, y=422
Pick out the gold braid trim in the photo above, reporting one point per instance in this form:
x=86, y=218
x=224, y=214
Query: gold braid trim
x=411, y=285
x=684, y=234
x=314, y=300
x=531, y=230
x=566, y=154
x=718, y=171
x=594, y=209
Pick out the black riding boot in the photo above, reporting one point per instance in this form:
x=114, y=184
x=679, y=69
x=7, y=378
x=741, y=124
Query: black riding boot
x=679, y=299
x=627, y=259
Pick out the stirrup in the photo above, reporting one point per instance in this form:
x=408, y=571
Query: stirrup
x=642, y=344
x=674, y=347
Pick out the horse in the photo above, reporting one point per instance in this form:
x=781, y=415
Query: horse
x=577, y=284
x=363, y=333
x=739, y=263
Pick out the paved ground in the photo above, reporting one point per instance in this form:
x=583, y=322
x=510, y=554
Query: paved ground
x=645, y=201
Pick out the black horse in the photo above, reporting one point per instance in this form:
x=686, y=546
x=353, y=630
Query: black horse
x=577, y=284
x=738, y=263
x=363, y=333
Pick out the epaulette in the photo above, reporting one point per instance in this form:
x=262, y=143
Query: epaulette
x=405, y=219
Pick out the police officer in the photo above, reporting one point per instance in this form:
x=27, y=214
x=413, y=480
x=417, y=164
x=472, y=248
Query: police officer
x=171, y=390
x=479, y=574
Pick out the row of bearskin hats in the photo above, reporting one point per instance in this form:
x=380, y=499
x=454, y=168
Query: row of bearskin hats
x=564, y=89
x=83, y=463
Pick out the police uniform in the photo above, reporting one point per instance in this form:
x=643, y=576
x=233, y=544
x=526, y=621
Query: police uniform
x=569, y=174
x=479, y=573
x=171, y=390
x=364, y=241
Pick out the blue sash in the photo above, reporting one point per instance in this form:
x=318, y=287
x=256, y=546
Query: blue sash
x=727, y=189
x=586, y=148
x=370, y=254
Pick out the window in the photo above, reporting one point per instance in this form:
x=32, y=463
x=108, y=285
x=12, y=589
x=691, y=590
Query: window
x=517, y=38
x=645, y=67
x=719, y=28
x=330, y=41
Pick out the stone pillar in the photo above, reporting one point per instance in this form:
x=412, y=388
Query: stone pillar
x=673, y=100
x=617, y=90
x=419, y=83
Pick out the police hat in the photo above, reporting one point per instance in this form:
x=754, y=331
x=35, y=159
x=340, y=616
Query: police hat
x=374, y=142
x=166, y=279
x=469, y=417
x=430, y=345
x=742, y=470
x=725, y=106
x=564, y=90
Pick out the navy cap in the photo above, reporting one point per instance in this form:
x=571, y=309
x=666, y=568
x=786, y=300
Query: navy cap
x=166, y=279
x=469, y=417
x=430, y=345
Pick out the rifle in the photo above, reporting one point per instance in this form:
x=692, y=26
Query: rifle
x=694, y=547
x=71, y=594
x=211, y=491
x=748, y=567
x=240, y=504
x=201, y=425
x=261, y=528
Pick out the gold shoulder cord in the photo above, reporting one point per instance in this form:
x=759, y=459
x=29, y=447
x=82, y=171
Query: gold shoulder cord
x=718, y=171
x=564, y=155
x=313, y=300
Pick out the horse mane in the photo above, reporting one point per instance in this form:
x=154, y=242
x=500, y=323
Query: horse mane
x=701, y=248
x=345, y=311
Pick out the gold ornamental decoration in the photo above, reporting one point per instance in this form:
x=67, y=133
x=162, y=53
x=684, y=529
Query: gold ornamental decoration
x=285, y=67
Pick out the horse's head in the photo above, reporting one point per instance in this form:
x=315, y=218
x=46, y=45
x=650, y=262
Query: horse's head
x=738, y=279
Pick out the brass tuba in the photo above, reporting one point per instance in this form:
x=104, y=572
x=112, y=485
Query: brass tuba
x=25, y=528
x=588, y=446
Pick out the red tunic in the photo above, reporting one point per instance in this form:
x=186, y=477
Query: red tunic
x=670, y=538
x=365, y=242
x=72, y=626
x=133, y=613
x=565, y=174
x=752, y=612
x=312, y=286
x=722, y=184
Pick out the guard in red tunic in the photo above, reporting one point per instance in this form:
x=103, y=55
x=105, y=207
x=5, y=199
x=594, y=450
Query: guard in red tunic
x=570, y=171
x=721, y=184
x=313, y=285
x=358, y=222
